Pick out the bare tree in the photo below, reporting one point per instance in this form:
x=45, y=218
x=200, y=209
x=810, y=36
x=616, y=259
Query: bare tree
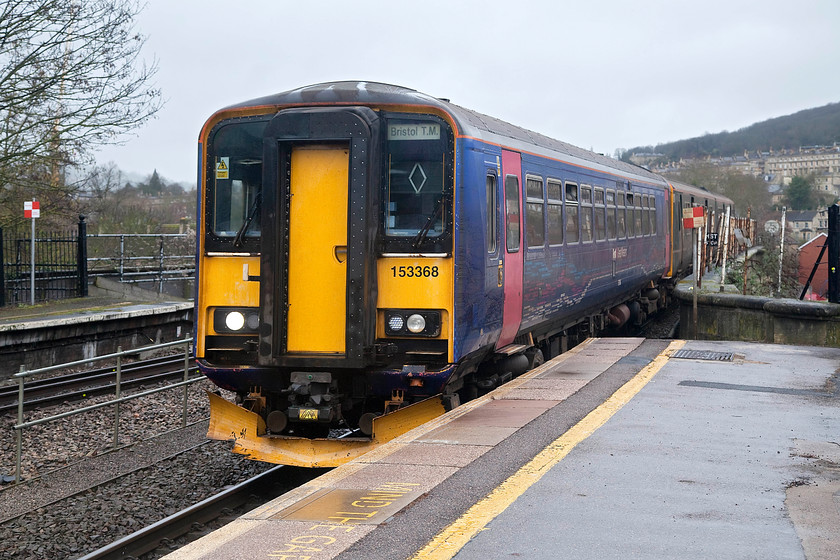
x=71, y=80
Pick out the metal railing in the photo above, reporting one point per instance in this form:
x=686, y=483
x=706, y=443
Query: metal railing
x=64, y=261
x=23, y=374
x=146, y=261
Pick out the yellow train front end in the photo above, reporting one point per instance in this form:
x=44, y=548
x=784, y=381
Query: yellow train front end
x=325, y=276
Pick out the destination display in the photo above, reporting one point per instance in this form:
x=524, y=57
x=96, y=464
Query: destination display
x=414, y=131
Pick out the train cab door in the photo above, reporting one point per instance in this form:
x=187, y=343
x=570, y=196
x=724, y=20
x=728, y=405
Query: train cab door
x=317, y=262
x=512, y=254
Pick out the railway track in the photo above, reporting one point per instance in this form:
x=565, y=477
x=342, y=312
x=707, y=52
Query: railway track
x=79, y=385
x=195, y=521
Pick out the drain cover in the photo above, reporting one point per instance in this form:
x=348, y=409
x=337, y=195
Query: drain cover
x=703, y=355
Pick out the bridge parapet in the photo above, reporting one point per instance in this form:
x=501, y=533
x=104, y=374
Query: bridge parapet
x=727, y=316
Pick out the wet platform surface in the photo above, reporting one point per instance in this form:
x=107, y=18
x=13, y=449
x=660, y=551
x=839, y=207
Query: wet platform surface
x=616, y=449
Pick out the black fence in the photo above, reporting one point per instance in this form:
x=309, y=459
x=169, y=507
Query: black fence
x=65, y=261
x=60, y=269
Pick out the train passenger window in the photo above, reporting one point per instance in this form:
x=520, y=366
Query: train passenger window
x=586, y=233
x=572, y=223
x=652, y=214
x=600, y=215
x=512, y=213
x=235, y=181
x=490, y=230
x=621, y=223
x=631, y=232
x=638, y=216
x=645, y=214
x=534, y=212
x=554, y=194
x=611, y=210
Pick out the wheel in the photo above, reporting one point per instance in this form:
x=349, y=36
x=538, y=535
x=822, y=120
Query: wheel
x=535, y=359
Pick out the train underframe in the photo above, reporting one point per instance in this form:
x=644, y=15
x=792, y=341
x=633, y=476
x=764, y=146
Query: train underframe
x=320, y=418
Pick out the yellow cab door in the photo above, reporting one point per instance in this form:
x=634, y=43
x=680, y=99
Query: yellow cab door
x=317, y=262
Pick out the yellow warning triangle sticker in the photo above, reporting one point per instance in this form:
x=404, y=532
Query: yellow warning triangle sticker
x=222, y=164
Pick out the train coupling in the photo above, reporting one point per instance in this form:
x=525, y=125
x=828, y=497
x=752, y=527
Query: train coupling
x=312, y=399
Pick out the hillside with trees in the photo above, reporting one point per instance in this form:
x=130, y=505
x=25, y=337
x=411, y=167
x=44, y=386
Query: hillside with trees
x=152, y=205
x=811, y=127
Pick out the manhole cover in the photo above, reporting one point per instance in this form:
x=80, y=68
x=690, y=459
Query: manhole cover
x=703, y=355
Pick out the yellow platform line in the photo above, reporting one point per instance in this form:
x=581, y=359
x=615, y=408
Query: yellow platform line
x=448, y=542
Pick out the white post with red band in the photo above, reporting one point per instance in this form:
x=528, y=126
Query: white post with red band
x=32, y=209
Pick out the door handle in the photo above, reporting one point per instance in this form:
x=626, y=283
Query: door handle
x=340, y=253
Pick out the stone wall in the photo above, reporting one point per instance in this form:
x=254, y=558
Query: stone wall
x=726, y=316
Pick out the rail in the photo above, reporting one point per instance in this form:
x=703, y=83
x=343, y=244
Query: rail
x=178, y=524
x=23, y=374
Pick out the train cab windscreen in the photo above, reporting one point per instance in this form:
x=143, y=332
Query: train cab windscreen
x=418, y=200
x=235, y=168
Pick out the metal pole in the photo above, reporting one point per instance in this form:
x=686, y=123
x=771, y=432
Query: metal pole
x=186, y=377
x=32, y=262
x=782, y=248
x=695, y=258
x=2, y=270
x=746, y=267
x=122, y=256
x=701, y=254
x=833, y=253
x=19, y=431
x=160, y=267
x=117, y=404
x=725, y=247
x=81, y=257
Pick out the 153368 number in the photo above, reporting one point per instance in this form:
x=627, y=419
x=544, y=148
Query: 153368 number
x=415, y=271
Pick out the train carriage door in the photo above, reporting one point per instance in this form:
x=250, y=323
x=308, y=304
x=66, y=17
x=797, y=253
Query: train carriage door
x=317, y=248
x=512, y=251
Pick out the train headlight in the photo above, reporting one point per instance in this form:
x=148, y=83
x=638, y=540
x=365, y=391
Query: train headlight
x=410, y=322
x=240, y=320
x=416, y=323
x=234, y=320
x=395, y=323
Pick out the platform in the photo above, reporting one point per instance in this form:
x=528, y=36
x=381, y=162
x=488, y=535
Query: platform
x=63, y=331
x=617, y=449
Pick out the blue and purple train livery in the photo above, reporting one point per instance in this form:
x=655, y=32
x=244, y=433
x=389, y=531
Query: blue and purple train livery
x=369, y=255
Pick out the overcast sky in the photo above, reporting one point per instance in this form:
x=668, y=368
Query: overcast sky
x=601, y=74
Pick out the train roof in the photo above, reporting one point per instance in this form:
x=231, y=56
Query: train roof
x=700, y=192
x=470, y=123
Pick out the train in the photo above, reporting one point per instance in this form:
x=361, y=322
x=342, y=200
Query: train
x=369, y=257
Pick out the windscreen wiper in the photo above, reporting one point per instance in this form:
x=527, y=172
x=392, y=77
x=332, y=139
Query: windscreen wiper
x=252, y=213
x=424, y=231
